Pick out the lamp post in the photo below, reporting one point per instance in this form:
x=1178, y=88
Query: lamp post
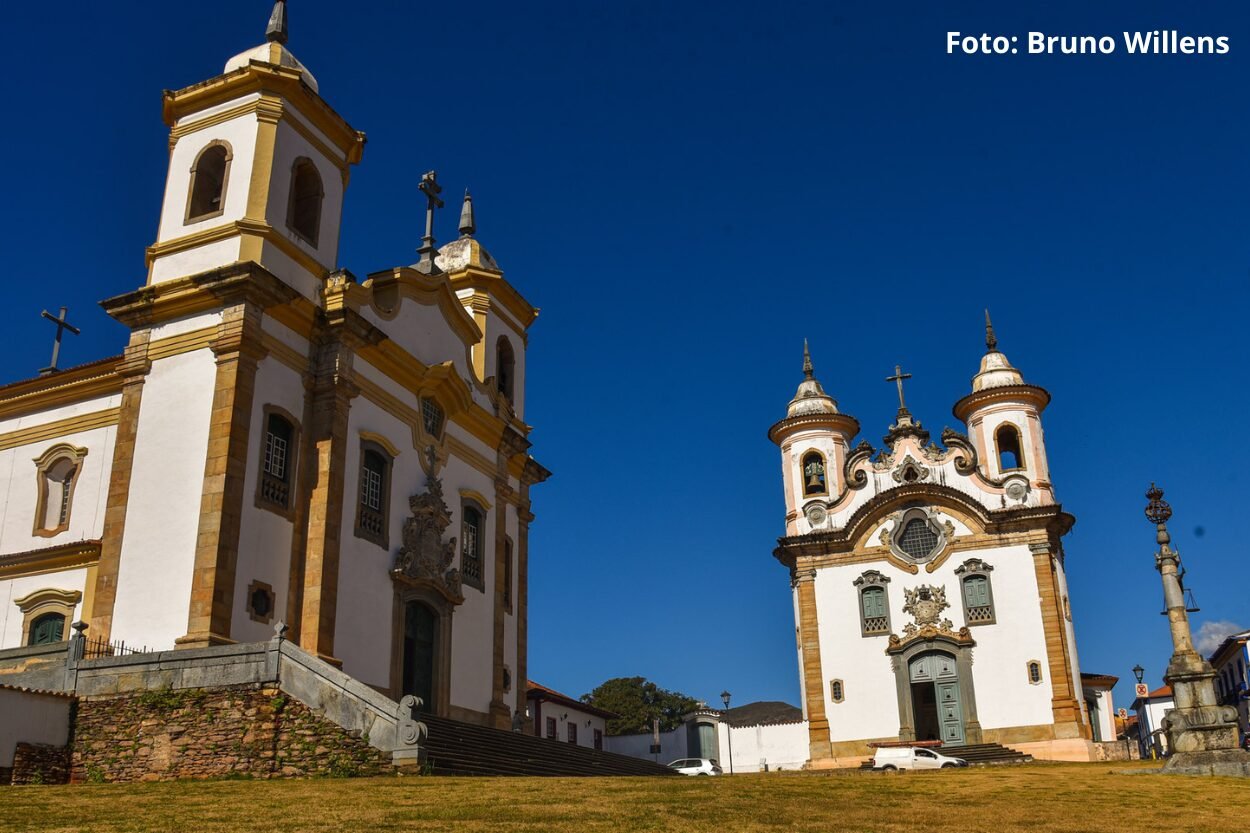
x=1201, y=734
x=729, y=733
x=1139, y=673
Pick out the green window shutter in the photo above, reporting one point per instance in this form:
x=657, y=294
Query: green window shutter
x=977, y=591
x=874, y=602
x=47, y=629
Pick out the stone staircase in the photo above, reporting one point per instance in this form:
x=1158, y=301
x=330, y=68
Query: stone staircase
x=455, y=748
x=977, y=754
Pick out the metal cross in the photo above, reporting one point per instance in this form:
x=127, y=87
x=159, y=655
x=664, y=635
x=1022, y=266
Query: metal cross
x=61, y=326
x=898, y=378
x=430, y=187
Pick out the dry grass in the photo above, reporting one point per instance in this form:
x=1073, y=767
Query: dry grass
x=1039, y=797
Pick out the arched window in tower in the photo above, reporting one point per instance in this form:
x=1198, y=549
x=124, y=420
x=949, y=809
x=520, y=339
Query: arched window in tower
x=1007, y=439
x=505, y=367
x=209, y=173
x=304, y=214
x=814, y=474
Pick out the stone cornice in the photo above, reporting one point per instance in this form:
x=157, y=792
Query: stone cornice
x=87, y=381
x=840, y=423
x=237, y=283
x=48, y=559
x=1037, y=396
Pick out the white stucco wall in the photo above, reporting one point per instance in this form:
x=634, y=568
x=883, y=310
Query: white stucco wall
x=673, y=745
x=1004, y=696
x=586, y=723
x=778, y=746
x=26, y=717
x=163, y=506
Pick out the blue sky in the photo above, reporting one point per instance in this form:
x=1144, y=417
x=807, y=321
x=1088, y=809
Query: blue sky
x=689, y=190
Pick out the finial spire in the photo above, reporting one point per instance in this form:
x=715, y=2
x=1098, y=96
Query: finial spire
x=807, y=361
x=991, y=343
x=276, y=31
x=468, y=227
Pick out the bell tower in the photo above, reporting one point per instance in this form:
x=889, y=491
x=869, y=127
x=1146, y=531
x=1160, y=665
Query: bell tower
x=815, y=439
x=258, y=167
x=1003, y=415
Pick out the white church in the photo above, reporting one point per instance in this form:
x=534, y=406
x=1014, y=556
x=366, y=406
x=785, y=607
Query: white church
x=280, y=441
x=930, y=595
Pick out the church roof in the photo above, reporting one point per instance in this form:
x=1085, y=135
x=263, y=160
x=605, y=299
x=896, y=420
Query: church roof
x=537, y=691
x=762, y=713
x=996, y=371
x=273, y=50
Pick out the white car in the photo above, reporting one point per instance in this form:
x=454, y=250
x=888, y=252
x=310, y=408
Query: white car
x=913, y=757
x=696, y=766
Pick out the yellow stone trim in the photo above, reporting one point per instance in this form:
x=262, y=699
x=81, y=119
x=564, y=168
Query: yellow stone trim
x=262, y=162
x=270, y=81
x=493, y=284
x=375, y=437
x=59, y=428
x=163, y=348
x=252, y=233
x=405, y=282
x=465, y=453
x=50, y=560
x=284, y=353
x=97, y=380
x=477, y=497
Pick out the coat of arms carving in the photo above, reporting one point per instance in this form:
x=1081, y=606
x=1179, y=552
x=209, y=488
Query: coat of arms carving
x=425, y=557
x=925, y=604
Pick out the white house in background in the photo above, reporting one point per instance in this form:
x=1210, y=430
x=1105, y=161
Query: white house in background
x=559, y=717
x=280, y=441
x=696, y=737
x=1231, y=661
x=1150, y=713
x=34, y=717
x=1099, y=707
x=929, y=582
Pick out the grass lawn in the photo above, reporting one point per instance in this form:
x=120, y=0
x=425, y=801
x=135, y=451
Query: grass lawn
x=1037, y=797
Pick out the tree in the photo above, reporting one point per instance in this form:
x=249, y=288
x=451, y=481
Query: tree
x=639, y=701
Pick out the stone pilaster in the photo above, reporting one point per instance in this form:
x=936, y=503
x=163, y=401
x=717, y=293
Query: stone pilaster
x=1065, y=707
x=520, y=683
x=238, y=350
x=813, y=675
x=133, y=370
x=332, y=395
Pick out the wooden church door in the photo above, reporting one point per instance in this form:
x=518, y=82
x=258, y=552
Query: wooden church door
x=420, y=638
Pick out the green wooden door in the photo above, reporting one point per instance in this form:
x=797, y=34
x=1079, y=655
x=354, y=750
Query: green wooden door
x=420, y=638
x=950, y=713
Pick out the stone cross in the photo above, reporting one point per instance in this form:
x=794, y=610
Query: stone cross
x=898, y=378
x=430, y=187
x=61, y=326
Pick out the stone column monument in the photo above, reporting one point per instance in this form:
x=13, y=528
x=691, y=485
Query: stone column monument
x=1202, y=735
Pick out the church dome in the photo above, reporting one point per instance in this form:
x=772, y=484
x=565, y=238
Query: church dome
x=996, y=371
x=810, y=398
x=273, y=51
x=275, y=54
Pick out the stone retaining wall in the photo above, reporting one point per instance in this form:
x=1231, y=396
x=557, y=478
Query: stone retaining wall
x=251, y=731
x=39, y=763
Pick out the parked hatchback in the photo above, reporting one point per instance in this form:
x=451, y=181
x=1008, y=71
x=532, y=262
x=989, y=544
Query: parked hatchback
x=696, y=766
x=913, y=757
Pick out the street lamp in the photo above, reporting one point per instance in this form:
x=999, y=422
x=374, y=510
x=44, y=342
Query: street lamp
x=1140, y=673
x=724, y=698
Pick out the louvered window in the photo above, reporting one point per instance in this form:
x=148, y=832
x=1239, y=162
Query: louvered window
x=872, y=605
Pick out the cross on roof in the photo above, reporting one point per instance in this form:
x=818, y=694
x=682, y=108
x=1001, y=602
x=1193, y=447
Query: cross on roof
x=898, y=378
x=430, y=187
x=61, y=326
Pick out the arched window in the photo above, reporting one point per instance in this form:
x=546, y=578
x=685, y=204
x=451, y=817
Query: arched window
x=47, y=629
x=505, y=367
x=974, y=582
x=375, y=475
x=1035, y=672
x=304, y=217
x=277, y=462
x=814, y=474
x=874, y=606
x=837, y=691
x=473, y=528
x=57, y=471
x=1007, y=438
x=207, y=195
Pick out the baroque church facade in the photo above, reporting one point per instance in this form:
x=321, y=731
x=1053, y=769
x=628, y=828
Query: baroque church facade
x=279, y=441
x=930, y=595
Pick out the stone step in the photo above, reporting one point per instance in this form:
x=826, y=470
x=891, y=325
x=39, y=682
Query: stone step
x=455, y=748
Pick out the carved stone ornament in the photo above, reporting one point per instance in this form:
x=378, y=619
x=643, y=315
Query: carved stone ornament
x=925, y=604
x=409, y=730
x=910, y=471
x=424, y=557
x=1017, y=487
x=816, y=515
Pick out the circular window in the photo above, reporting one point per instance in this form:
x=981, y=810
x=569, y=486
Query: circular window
x=916, y=537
